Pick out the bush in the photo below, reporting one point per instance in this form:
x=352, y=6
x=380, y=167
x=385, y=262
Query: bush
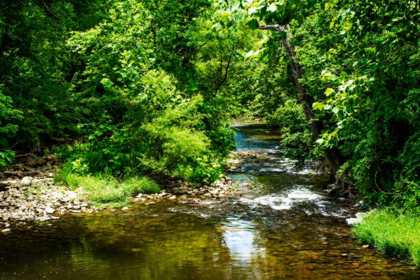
x=7, y=129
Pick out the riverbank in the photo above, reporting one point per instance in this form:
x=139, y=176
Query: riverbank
x=394, y=235
x=265, y=220
x=48, y=195
x=53, y=191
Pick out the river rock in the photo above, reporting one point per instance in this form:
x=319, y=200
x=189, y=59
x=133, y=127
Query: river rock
x=5, y=217
x=26, y=181
x=42, y=218
x=49, y=210
x=215, y=191
x=357, y=220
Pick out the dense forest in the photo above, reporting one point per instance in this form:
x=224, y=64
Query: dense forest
x=127, y=89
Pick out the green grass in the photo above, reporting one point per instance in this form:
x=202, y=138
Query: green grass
x=395, y=235
x=103, y=190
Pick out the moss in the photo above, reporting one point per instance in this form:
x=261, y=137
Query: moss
x=393, y=234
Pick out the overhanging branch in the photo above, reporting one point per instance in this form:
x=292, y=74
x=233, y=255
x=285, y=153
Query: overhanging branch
x=275, y=27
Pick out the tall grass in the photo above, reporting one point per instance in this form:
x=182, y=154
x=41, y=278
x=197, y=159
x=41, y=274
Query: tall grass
x=105, y=190
x=393, y=234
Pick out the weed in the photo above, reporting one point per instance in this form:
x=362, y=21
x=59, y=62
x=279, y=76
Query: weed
x=394, y=234
x=105, y=190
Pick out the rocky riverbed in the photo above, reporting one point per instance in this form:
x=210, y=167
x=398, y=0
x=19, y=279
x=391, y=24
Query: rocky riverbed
x=28, y=193
x=26, y=199
x=184, y=192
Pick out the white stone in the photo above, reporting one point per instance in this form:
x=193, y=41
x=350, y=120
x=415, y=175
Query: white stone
x=26, y=181
x=357, y=220
x=5, y=217
x=49, y=210
x=43, y=218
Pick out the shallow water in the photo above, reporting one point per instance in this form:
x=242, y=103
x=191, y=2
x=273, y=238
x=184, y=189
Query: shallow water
x=283, y=227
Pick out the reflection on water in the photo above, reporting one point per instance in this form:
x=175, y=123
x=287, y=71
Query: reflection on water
x=239, y=235
x=282, y=228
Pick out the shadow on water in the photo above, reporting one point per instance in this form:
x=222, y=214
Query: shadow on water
x=282, y=227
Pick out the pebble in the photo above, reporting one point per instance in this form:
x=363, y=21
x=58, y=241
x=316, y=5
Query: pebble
x=49, y=210
x=26, y=181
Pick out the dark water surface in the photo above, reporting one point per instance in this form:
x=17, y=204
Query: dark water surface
x=283, y=227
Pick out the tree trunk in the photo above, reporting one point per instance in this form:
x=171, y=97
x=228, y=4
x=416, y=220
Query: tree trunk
x=332, y=156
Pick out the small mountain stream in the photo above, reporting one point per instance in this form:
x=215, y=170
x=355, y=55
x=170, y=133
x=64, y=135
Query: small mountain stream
x=283, y=227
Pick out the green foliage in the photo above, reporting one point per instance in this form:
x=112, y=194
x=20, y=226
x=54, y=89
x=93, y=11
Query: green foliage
x=360, y=65
x=103, y=189
x=395, y=235
x=369, y=106
x=7, y=129
x=36, y=67
x=140, y=114
x=149, y=87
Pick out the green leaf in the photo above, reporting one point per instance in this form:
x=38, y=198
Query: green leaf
x=318, y=106
x=263, y=41
x=272, y=8
x=328, y=91
x=249, y=54
x=253, y=24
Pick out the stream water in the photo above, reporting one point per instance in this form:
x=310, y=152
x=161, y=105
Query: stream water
x=283, y=227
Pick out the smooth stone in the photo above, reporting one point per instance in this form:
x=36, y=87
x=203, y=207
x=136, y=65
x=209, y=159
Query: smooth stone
x=42, y=219
x=49, y=210
x=26, y=181
x=357, y=220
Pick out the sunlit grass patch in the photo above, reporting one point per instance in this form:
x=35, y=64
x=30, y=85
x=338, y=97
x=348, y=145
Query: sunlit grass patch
x=395, y=235
x=105, y=190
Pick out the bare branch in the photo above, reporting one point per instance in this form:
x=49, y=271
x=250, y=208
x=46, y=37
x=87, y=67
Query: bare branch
x=275, y=27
